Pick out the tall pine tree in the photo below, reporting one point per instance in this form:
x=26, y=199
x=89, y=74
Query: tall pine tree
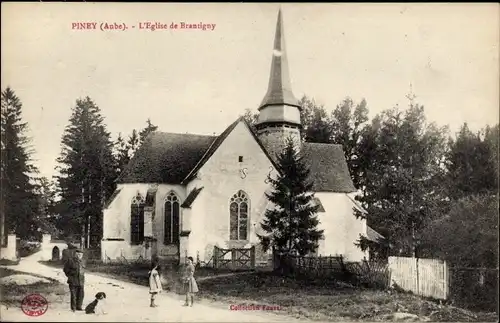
x=291, y=226
x=46, y=219
x=133, y=143
x=251, y=118
x=316, y=124
x=404, y=157
x=144, y=133
x=347, y=122
x=122, y=154
x=472, y=162
x=19, y=202
x=87, y=171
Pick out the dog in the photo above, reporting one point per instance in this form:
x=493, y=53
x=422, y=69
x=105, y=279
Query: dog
x=97, y=306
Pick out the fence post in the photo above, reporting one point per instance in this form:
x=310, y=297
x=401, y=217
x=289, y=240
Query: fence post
x=445, y=280
x=320, y=265
x=216, y=257
x=233, y=258
x=252, y=257
x=418, y=277
x=342, y=265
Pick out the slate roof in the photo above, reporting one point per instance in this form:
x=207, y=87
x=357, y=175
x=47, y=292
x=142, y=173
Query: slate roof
x=166, y=158
x=328, y=167
x=175, y=158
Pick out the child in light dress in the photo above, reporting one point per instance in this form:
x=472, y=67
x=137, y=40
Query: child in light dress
x=155, y=286
x=189, y=282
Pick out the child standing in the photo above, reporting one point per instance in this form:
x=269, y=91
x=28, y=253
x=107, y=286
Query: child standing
x=190, y=282
x=154, y=282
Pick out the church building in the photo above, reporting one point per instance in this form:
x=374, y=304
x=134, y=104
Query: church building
x=183, y=194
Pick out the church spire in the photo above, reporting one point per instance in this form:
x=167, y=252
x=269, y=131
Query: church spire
x=279, y=91
x=279, y=112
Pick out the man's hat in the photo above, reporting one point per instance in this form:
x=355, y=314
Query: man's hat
x=79, y=250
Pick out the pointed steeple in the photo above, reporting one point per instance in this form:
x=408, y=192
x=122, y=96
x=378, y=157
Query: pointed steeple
x=279, y=91
x=279, y=112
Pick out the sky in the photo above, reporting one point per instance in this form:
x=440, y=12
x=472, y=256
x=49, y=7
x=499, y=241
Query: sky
x=198, y=81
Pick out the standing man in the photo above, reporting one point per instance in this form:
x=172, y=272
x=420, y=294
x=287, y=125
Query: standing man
x=68, y=254
x=75, y=271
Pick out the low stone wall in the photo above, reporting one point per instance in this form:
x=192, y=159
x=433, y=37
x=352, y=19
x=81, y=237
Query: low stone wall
x=119, y=250
x=52, y=249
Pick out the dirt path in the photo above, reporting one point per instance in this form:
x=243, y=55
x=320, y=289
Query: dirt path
x=127, y=302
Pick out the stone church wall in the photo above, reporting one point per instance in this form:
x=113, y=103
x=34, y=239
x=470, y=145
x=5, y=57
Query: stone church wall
x=342, y=229
x=116, y=224
x=222, y=177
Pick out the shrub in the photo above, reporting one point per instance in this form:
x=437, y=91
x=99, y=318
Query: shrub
x=372, y=274
x=467, y=289
x=27, y=248
x=468, y=235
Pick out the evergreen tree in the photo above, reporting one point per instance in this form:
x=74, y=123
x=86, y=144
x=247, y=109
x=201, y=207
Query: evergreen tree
x=401, y=189
x=19, y=202
x=316, y=124
x=46, y=192
x=347, y=126
x=291, y=226
x=133, y=143
x=87, y=171
x=251, y=118
x=122, y=154
x=46, y=219
x=472, y=162
x=146, y=131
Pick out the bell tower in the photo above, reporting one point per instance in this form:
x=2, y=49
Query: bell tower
x=279, y=112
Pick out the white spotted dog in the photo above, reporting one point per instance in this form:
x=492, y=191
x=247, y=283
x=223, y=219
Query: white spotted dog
x=97, y=305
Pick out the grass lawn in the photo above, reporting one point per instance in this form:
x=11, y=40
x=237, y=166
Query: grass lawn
x=12, y=294
x=327, y=301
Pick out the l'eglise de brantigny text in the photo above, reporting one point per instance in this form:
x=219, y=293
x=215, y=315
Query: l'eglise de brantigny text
x=181, y=25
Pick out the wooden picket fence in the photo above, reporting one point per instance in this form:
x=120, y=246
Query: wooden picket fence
x=424, y=277
x=311, y=266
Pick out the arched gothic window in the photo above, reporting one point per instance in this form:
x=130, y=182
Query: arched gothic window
x=137, y=220
x=172, y=217
x=238, y=216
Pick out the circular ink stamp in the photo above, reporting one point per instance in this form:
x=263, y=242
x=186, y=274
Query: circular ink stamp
x=34, y=305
